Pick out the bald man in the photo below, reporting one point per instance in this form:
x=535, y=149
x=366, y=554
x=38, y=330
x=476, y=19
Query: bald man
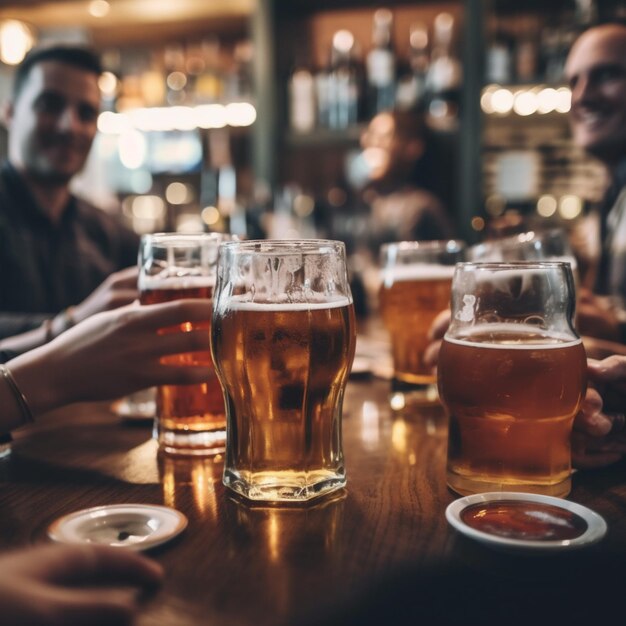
x=596, y=71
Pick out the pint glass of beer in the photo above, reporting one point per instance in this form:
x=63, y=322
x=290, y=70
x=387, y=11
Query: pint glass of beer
x=415, y=287
x=283, y=340
x=190, y=419
x=512, y=375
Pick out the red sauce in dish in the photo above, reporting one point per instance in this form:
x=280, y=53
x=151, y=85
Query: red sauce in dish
x=524, y=520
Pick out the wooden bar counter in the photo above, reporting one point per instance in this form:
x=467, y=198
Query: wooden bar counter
x=380, y=552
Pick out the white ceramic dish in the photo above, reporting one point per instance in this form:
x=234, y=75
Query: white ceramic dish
x=131, y=526
x=145, y=410
x=595, y=531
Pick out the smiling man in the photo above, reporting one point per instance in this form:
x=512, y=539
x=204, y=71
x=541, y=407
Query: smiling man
x=596, y=71
x=55, y=249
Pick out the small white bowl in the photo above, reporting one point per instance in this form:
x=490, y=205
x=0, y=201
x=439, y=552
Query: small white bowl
x=595, y=531
x=129, y=526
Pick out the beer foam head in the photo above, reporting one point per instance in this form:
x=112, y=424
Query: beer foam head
x=243, y=303
x=163, y=281
x=417, y=271
x=511, y=336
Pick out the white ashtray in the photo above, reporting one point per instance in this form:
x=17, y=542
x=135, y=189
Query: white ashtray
x=514, y=521
x=132, y=410
x=132, y=526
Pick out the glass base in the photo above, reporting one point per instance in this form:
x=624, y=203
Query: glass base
x=407, y=394
x=284, y=486
x=190, y=442
x=467, y=485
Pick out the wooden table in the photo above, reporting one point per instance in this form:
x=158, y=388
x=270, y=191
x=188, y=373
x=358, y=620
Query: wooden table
x=379, y=553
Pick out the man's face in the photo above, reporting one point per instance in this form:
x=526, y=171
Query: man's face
x=53, y=121
x=596, y=71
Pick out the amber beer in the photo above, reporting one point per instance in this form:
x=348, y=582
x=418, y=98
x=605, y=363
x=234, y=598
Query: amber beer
x=188, y=409
x=284, y=368
x=511, y=394
x=411, y=297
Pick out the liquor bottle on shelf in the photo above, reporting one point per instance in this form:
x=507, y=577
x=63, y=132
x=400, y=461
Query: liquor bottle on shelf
x=444, y=76
x=411, y=88
x=302, y=100
x=345, y=82
x=176, y=77
x=499, y=61
x=209, y=85
x=381, y=65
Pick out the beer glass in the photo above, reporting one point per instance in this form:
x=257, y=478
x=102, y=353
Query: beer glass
x=190, y=419
x=415, y=287
x=512, y=375
x=283, y=340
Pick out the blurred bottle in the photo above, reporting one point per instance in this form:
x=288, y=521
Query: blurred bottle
x=526, y=51
x=444, y=76
x=411, y=88
x=381, y=65
x=302, y=100
x=209, y=85
x=240, y=83
x=498, y=66
x=175, y=75
x=345, y=82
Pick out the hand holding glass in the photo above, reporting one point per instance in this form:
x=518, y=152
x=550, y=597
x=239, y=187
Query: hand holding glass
x=190, y=418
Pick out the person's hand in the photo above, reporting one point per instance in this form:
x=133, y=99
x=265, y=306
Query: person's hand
x=73, y=585
x=114, y=353
x=435, y=335
x=118, y=289
x=599, y=437
x=596, y=317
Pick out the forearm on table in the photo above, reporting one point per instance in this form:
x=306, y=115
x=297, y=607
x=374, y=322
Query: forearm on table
x=34, y=378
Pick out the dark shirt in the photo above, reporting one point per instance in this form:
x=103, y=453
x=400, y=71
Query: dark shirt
x=46, y=267
x=611, y=278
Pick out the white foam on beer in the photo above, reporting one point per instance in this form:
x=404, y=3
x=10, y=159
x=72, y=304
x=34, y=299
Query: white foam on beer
x=535, y=337
x=149, y=283
x=238, y=303
x=418, y=271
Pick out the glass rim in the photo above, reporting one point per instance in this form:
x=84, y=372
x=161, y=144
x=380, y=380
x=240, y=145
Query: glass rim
x=184, y=238
x=509, y=265
x=452, y=245
x=267, y=246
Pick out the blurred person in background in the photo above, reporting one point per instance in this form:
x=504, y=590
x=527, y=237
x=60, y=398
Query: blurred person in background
x=397, y=153
x=391, y=182
x=58, y=253
x=596, y=72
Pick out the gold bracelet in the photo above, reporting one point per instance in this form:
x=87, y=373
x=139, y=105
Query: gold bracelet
x=27, y=415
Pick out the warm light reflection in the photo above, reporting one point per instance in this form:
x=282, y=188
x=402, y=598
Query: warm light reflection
x=547, y=100
x=564, y=102
x=132, y=147
x=570, y=207
x=108, y=84
x=178, y=118
x=196, y=475
x=546, y=206
x=178, y=193
x=343, y=40
x=240, y=114
x=525, y=101
x=16, y=39
x=502, y=101
x=370, y=419
x=210, y=215
x=399, y=434
x=99, y=8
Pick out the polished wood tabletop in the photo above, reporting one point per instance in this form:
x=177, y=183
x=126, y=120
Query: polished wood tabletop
x=378, y=552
